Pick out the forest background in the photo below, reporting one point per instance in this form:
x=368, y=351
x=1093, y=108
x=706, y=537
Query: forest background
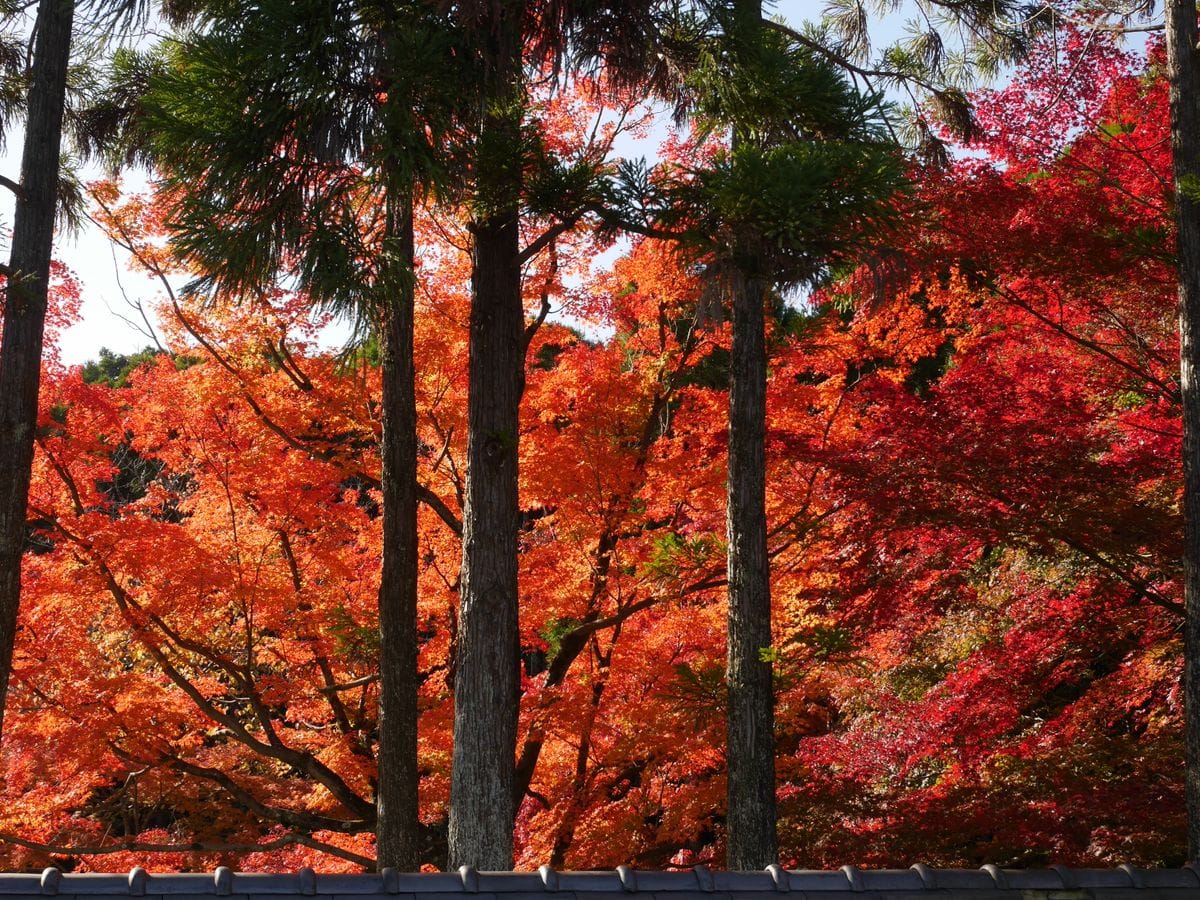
x=974, y=519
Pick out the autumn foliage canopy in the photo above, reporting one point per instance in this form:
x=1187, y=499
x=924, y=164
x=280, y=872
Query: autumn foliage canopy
x=973, y=503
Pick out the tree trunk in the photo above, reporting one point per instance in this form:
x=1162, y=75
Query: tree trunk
x=486, y=680
x=750, y=736
x=25, y=304
x=396, y=841
x=1183, y=74
x=750, y=744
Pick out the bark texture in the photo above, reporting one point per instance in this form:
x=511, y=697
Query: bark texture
x=487, y=657
x=25, y=304
x=1183, y=73
x=750, y=738
x=750, y=744
x=397, y=823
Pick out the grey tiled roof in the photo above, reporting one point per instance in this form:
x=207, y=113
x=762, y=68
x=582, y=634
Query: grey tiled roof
x=848, y=883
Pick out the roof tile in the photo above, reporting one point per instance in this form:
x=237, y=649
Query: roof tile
x=49, y=881
x=1168, y=878
x=589, y=881
x=654, y=881
x=509, y=882
x=700, y=883
x=191, y=884
x=890, y=880
x=91, y=883
x=549, y=878
x=1033, y=880
x=689, y=895
x=964, y=879
x=257, y=883
x=814, y=880
x=351, y=884
x=743, y=881
x=1101, y=878
x=433, y=882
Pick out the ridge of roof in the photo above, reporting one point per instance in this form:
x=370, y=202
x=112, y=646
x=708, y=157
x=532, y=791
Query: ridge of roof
x=699, y=883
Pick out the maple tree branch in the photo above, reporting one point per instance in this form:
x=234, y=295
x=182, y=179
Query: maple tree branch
x=301, y=760
x=568, y=825
x=285, y=544
x=434, y=502
x=1007, y=294
x=456, y=480
x=340, y=714
x=131, y=846
x=1141, y=346
x=299, y=379
x=803, y=531
x=335, y=702
x=275, y=748
x=589, y=628
x=574, y=641
x=125, y=240
x=292, y=818
x=424, y=494
x=334, y=688
x=571, y=646
x=532, y=328
x=238, y=673
x=302, y=379
x=1140, y=586
x=716, y=578
x=243, y=675
x=367, y=862
x=67, y=479
x=444, y=453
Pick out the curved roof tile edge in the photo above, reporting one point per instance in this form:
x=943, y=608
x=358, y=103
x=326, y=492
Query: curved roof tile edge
x=1058, y=881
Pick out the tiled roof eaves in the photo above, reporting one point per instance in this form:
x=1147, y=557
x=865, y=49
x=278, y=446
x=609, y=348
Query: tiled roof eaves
x=848, y=883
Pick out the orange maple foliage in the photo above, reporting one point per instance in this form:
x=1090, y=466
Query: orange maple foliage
x=973, y=514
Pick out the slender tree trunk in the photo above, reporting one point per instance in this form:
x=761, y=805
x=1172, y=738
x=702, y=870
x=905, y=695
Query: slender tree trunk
x=25, y=304
x=750, y=740
x=486, y=680
x=486, y=676
x=1183, y=74
x=396, y=841
x=750, y=748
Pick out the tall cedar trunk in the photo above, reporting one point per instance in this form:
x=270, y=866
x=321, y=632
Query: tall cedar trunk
x=396, y=843
x=1183, y=73
x=750, y=737
x=750, y=744
x=486, y=685
x=486, y=677
x=25, y=304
